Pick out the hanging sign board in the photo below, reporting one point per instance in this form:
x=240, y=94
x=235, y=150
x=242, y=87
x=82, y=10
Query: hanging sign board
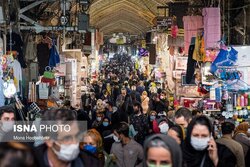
x=120, y=41
x=163, y=23
x=143, y=43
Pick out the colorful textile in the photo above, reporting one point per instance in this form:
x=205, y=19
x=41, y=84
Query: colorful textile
x=199, y=50
x=191, y=25
x=212, y=27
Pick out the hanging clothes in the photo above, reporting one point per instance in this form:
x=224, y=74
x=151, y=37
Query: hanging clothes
x=212, y=27
x=17, y=70
x=191, y=26
x=54, y=58
x=2, y=98
x=16, y=45
x=42, y=56
x=191, y=63
x=199, y=49
x=30, y=52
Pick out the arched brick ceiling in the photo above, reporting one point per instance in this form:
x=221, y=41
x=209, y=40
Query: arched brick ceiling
x=133, y=16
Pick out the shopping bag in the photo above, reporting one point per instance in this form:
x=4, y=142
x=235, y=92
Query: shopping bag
x=225, y=58
x=48, y=73
x=43, y=90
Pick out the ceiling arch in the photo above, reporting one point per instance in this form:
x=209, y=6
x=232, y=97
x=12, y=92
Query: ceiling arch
x=122, y=24
x=123, y=15
x=136, y=15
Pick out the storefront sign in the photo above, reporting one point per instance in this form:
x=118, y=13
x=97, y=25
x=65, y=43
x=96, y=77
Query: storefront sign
x=163, y=23
x=120, y=41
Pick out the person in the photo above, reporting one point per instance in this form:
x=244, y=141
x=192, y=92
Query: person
x=182, y=117
x=200, y=148
x=105, y=126
x=177, y=133
x=91, y=149
x=161, y=124
x=127, y=152
x=99, y=120
x=157, y=104
x=240, y=136
x=227, y=140
x=109, y=110
x=7, y=120
x=140, y=88
x=145, y=102
x=121, y=98
x=140, y=123
x=196, y=113
x=162, y=150
x=135, y=95
x=106, y=96
x=151, y=118
x=15, y=154
x=61, y=149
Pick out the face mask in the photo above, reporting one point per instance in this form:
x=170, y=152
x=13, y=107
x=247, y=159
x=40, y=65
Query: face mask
x=162, y=97
x=116, y=139
x=164, y=128
x=7, y=125
x=67, y=153
x=105, y=123
x=154, y=165
x=152, y=117
x=90, y=148
x=199, y=144
x=99, y=119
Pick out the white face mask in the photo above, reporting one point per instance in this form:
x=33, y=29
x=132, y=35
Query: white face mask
x=199, y=144
x=67, y=153
x=7, y=125
x=116, y=139
x=99, y=119
x=164, y=128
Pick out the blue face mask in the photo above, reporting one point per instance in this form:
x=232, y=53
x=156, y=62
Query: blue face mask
x=105, y=123
x=152, y=117
x=90, y=148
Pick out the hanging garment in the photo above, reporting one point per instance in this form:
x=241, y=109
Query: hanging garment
x=42, y=56
x=199, y=49
x=1, y=47
x=177, y=42
x=17, y=74
x=190, y=65
x=212, y=27
x=2, y=98
x=191, y=26
x=16, y=45
x=30, y=52
x=54, y=58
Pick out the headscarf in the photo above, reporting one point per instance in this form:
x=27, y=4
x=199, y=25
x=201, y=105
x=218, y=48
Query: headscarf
x=192, y=157
x=241, y=128
x=172, y=145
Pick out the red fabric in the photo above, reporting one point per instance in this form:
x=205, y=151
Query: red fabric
x=156, y=129
x=174, y=31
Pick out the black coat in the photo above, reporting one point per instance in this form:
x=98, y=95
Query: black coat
x=42, y=159
x=193, y=158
